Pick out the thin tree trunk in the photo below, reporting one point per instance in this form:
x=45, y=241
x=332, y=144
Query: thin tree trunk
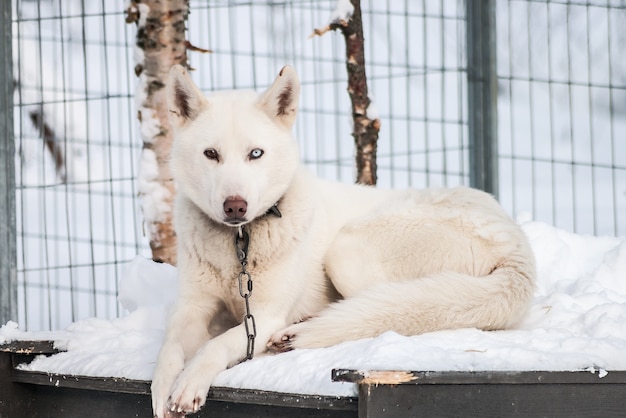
x=366, y=128
x=160, y=44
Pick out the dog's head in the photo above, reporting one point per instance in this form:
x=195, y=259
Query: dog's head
x=233, y=153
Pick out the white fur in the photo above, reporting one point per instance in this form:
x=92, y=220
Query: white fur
x=411, y=261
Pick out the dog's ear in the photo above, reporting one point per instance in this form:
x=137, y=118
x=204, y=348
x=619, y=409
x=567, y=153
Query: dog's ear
x=280, y=101
x=184, y=100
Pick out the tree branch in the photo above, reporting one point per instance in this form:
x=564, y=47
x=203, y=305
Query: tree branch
x=365, y=131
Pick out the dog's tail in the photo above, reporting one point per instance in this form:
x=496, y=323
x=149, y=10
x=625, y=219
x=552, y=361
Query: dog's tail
x=446, y=300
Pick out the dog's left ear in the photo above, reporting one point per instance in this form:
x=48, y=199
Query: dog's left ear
x=185, y=101
x=280, y=101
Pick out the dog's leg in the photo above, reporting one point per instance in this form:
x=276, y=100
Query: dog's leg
x=190, y=389
x=187, y=330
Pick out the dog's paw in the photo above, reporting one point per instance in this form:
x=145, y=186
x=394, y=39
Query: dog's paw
x=187, y=400
x=161, y=409
x=190, y=390
x=162, y=382
x=283, y=341
x=281, y=345
x=159, y=398
x=166, y=413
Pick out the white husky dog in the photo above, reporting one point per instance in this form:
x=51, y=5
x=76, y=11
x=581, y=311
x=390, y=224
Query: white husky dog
x=329, y=262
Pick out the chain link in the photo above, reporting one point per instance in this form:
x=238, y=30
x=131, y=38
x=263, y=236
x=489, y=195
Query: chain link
x=242, y=239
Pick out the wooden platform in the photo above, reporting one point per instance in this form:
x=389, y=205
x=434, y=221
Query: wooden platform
x=488, y=394
x=381, y=394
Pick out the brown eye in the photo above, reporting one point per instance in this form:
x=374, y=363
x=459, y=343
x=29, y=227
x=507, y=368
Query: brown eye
x=211, y=154
x=255, y=154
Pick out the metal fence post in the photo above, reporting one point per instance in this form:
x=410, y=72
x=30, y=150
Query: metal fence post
x=8, y=277
x=482, y=94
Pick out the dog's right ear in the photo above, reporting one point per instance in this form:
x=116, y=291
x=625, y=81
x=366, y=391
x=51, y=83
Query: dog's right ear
x=184, y=100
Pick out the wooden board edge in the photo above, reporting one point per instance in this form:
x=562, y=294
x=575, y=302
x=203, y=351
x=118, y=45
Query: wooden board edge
x=142, y=387
x=403, y=377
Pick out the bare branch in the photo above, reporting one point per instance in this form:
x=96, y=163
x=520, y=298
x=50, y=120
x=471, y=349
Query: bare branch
x=365, y=130
x=191, y=47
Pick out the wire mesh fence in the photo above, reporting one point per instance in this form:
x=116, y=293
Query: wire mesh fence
x=77, y=216
x=562, y=131
x=415, y=71
x=562, y=112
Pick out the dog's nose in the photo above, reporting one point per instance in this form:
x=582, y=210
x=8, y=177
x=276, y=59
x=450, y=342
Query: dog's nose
x=235, y=207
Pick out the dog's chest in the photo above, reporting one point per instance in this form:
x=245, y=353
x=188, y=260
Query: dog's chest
x=234, y=282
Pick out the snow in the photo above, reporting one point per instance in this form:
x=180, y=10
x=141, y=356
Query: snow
x=577, y=321
x=150, y=126
x=372, y=112
x=154, y=196
x=341, y=16
x=144, y=11
x=343, y=12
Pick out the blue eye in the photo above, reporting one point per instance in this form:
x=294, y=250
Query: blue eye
x=255, y=154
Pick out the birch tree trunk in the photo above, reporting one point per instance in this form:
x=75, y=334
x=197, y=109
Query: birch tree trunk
x=160, y=43
x=366, y=127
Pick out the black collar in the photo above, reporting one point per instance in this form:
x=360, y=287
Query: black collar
x=274, y=211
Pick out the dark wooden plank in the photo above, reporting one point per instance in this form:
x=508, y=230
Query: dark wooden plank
x=396, y=394
x=492, y=400
x=400, y=377
x=15, y=400
x=104, y=384
x=268, y=398
x=71, y=402
x=140, y=387
x=29, y=347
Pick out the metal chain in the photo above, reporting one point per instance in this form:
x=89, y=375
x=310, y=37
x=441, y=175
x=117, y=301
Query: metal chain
x=242, y=239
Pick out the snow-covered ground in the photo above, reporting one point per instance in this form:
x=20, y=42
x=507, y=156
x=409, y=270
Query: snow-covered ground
x=577, y=321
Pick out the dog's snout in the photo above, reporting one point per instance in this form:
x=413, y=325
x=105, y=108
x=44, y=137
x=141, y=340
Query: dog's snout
x=235, y=207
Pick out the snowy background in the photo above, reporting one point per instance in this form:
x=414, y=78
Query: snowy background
x=562, y=140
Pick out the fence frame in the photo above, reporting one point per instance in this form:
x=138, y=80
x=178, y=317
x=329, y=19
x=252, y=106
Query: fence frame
x=8, y=238
x=482, y=84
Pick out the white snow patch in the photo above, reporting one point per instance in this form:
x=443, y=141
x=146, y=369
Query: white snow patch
x=372, y=112
x=144, y=10
x=343, y=11
x=154, y=196
x=145, y=287
x=150, y=126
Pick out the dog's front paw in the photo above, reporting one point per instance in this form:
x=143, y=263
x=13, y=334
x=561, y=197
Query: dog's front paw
x=190, y=390
x=161, y=408
x=166, y=413
x=162, y=382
